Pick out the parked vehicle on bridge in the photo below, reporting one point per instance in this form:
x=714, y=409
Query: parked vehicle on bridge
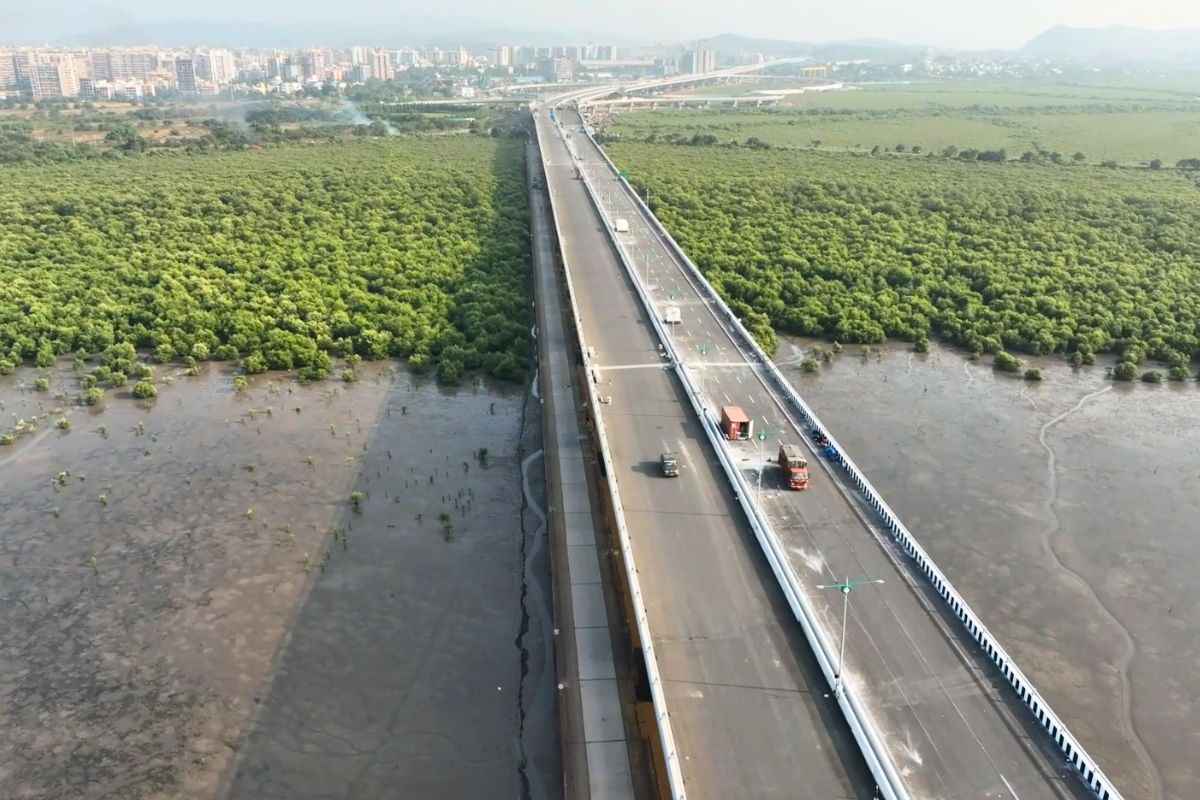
x=794, y=466
x=669, y=462
x=672, y=315
x=621, y=226
x=735, y=425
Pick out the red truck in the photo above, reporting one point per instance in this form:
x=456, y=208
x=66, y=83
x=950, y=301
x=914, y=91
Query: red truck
x=794, y=466
x=735, y=424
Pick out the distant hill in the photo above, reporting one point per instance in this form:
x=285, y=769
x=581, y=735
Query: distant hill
x=881, y=49
x=1117, y=43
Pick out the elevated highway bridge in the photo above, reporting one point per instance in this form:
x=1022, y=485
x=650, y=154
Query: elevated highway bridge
x=743, y=651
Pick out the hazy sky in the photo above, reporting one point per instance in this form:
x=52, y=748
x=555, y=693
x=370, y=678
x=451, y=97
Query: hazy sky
x=962, y=23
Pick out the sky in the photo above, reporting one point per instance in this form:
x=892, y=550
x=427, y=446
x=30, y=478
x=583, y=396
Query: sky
x=970, y=24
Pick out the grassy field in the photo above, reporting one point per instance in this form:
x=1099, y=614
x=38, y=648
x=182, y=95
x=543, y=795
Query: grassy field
x=1128, y=124
x=947, y=94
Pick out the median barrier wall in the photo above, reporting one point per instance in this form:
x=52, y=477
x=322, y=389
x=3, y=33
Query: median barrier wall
x=1086, y=766
x=658, y=698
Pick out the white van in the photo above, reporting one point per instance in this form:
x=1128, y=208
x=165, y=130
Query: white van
x=672, y=315
x=621, y=226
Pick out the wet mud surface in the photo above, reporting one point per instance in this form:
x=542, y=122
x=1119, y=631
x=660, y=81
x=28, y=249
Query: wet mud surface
x=1065, y=511
x=192, y=608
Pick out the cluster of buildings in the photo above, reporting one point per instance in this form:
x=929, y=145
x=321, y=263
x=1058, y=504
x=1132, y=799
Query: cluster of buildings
x=134, y=73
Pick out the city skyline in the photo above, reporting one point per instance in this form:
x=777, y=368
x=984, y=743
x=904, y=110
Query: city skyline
x=919, y=22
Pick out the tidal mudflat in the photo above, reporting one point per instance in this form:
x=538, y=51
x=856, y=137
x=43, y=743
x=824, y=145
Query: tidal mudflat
x=196, y=605
x=1066, y=512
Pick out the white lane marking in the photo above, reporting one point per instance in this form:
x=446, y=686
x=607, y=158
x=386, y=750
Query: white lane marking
x=739, y=378
x=727, y=400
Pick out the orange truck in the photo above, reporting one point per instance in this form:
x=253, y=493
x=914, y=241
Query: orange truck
x=735, y=424
x=794, y=466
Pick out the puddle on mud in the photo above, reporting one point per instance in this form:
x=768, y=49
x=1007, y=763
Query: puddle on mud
x=1087, y=562
x=202, y=540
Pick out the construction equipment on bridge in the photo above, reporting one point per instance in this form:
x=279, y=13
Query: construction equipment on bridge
x=669, y=462
x=735, y=425
x=621, y=226
x=794, y=466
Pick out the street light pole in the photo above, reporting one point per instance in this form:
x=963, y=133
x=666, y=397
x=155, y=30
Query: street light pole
x=845, y=587
x=762, y=437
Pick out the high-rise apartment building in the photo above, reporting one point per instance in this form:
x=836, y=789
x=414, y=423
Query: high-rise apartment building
x=118, y=65
x=381, y=65
x=217, y=66
x=697, y=62
x=558, y=69
x=522, y=56
x=82, y=63
x=313, y=65
x=102, y=66
x=23, y=62
x=501, y=56
x=359, y=56
x=185, y=77
x=606, y=52
x=54, y=79
x=8, y=70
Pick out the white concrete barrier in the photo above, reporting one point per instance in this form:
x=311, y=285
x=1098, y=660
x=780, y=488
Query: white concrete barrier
x=1086, y=766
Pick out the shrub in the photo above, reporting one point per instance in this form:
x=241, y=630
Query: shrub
x=921, y=345
x=93, y=395
x=239, y=383
x=1152, y=376
x=41, y=384
x=117, y=380
x=810, y=364
x=254, y=363
x=144, y=389
x=1178, y=373
x=1125, y=371
x=1033, y=374
x=1006, y=362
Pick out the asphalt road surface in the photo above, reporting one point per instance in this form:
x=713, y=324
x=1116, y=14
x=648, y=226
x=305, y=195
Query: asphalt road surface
x=953, y=727
x=748, y=705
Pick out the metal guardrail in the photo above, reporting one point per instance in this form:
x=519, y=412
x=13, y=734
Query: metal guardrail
x=867, y=736
x=1085, y=765
x=658, y=698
